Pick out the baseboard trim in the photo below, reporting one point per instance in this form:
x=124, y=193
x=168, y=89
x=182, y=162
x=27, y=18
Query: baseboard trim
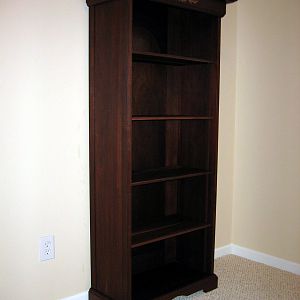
x=222, y=251
x=260, y=257
x=266, y=259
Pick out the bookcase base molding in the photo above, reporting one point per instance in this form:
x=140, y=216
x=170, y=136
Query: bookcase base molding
x=207, y=284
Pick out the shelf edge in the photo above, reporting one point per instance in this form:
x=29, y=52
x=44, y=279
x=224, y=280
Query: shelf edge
x=169, y=178
x=170, y=235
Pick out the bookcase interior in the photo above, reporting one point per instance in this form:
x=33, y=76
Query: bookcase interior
x=161, y=267
x=170, y=144
x=165, y=204
x=164, y=89
x=173, y=70
x=169, y=30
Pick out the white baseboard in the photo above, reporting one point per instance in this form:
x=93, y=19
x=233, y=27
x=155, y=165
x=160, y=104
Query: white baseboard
x=222, y=251
x=81, y=296
x=260, y=257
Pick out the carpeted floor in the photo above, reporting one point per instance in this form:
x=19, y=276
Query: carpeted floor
x=243, y=279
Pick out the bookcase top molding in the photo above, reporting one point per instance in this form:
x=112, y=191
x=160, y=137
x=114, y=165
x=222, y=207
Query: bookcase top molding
x=94, y=2
x=213, y=7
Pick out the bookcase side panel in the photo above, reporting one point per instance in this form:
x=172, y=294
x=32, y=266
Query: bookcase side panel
x=110, y=163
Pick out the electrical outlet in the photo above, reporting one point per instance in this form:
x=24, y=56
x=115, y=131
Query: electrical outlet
x=47, y=250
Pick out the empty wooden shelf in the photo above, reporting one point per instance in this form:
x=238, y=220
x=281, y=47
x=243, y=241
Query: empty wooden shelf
x=154, y=86
x=170, y=117
x=167, y=59
x=164, y=232
x=170, y=280
x=165, y=174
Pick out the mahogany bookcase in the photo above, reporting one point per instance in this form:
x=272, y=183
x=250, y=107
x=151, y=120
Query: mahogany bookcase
x=154, y=93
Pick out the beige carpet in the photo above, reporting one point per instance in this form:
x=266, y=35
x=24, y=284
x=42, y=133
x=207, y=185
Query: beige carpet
x=244, y=279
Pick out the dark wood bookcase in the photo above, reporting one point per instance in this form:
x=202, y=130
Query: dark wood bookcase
x=154, y=84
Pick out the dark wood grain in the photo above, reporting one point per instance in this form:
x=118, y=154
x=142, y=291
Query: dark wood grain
x=217, y=11
x=213, y=149
x=92, y=145
x=165, y=174
x=96, y=2
x=162, y=223
x=110, y=160
x=166, y=232
x=95, y=295
x=167, y=59
x=171, y=31
x=207, y=284
x=154, y=99
x=170, y=281
x=168, y=117
x=154, y=90
x=213, y=7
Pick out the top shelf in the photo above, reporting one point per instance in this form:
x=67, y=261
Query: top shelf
x=167, y=59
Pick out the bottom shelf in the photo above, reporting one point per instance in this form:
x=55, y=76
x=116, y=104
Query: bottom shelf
x=176, y=265
x=168, y=280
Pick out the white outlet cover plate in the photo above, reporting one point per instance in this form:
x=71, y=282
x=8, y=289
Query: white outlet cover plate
x=47, y=249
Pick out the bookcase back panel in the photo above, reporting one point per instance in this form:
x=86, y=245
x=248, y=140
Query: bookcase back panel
x=156, y=146
x=167, y=203
x=167, y=265
x=150, y=136
x=171, y=90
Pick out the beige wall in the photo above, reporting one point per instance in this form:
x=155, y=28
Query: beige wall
x=226, y=131
x=43, y=147
x=266, y=206
x=44, y=139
